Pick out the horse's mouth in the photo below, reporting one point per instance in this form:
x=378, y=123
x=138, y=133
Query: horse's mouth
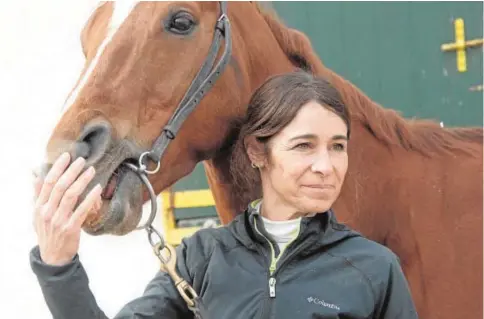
x=121, y=204
x=113, y=182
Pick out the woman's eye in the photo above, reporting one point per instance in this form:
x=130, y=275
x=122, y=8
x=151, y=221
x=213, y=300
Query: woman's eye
x=339, y=147
x=303, y=146
x=181, y=23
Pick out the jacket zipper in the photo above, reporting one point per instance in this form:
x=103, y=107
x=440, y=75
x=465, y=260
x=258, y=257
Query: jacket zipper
x=272, y=287
x=274, y=260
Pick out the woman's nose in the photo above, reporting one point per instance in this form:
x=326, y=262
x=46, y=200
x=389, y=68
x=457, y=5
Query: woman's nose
x=322, y=163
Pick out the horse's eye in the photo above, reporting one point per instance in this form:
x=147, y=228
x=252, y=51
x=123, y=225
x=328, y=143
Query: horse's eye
x=181, y=23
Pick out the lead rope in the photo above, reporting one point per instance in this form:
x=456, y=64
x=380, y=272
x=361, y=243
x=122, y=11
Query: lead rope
x=165, y=252
x=167, y=255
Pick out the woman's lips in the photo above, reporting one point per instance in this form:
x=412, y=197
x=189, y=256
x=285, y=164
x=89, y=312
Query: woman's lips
x=320, y=186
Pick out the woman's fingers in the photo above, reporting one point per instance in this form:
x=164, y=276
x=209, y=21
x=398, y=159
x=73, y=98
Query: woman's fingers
x=71, y=195
x=51, y=179
x=65, y=181
x=79, y=216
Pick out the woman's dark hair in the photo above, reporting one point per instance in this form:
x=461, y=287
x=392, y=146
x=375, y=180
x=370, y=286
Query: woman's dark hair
x=273, y=106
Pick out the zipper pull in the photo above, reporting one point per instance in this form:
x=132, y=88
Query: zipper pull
x=272, y=287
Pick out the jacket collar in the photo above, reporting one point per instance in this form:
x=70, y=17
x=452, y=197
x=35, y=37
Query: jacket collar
x=323, y=229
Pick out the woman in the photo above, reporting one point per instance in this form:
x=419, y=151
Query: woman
x=286, y=256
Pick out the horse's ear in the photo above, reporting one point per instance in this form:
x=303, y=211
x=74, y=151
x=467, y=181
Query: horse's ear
x=90, y=25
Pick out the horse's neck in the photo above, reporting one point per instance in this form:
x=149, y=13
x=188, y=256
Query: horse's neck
x=259, y=67
x=356, y=205
x=219, y=179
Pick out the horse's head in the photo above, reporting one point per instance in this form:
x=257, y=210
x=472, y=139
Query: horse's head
x=140, y=61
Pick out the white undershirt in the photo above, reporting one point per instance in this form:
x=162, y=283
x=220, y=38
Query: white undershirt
x=282, y=232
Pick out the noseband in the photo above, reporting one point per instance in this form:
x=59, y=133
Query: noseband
x=201, y=84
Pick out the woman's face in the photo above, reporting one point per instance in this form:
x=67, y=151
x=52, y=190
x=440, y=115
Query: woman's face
x=307, y=161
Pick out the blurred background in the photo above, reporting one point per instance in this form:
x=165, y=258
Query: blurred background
x=401, y=54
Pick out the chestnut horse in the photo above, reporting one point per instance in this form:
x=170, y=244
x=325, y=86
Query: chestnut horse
x=412, y=185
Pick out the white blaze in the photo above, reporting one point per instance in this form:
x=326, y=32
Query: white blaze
x=121, y=11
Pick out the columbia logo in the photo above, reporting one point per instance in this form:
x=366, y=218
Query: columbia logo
x=323, y=303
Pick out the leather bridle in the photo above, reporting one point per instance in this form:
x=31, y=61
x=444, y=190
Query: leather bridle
x=201, y=84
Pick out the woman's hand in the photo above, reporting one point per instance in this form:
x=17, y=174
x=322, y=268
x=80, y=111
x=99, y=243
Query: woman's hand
x=58, y=227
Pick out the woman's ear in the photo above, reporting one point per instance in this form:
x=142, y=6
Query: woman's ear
x=255, y=151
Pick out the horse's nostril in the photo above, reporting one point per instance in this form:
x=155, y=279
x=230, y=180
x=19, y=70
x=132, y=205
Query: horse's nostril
x=93, y=142
x=81, y=149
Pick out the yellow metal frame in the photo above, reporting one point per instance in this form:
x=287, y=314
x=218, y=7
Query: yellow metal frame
x=182, y=199
x=461, y=44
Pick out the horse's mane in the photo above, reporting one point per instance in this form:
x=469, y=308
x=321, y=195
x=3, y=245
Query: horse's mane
x=388, y=126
